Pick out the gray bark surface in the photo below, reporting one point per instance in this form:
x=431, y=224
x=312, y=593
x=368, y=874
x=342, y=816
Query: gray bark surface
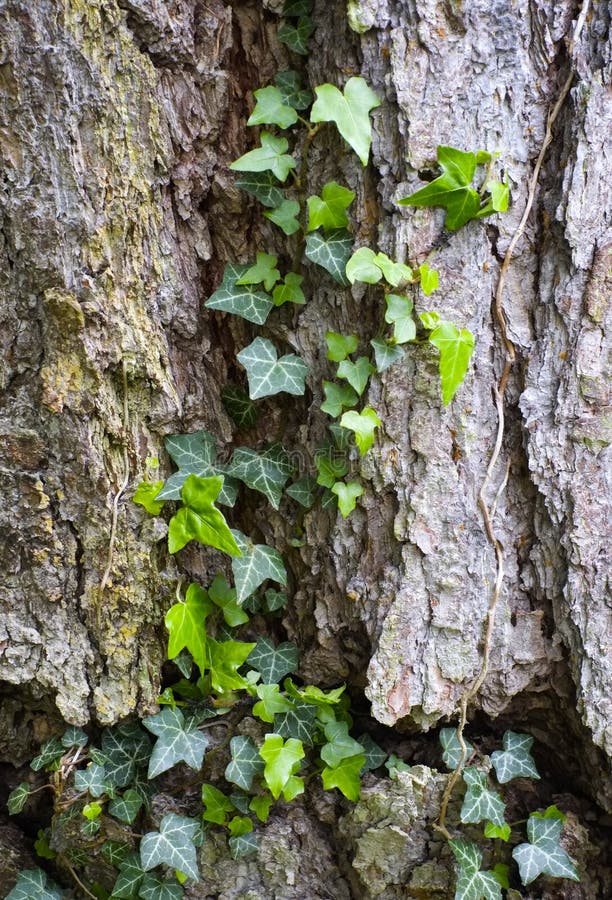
x=118, y=120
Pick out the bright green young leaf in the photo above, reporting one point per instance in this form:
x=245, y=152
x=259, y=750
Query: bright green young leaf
x=41, y=844
x=145, y=495
x=452, y=748
x=543, y=855
x=480, y=803
x=265, y=472
x=223, y=596
x=186, y=624
x=127, y=807
x=271, y=702
x=429, y=320
x=271, y=109
x=264, y=186
x=502, y=873
x=240, y=825
x=240, y=299
x=285, y=216
x=18, y=798
x=273, y=662
x=32, y=884
x=263, y=272
x=217, y=805
x=329, y=210
x=347, y=495
x=178, y=740
x=337, y=398
x=199, y=519
x=296, y=36
x=375, y=755
x=362, y=267
x=51, y=751
x=498, y=200
x=290, y=291
x=294, y=786
x=501, y=832
x=92, y=779
x=472, y=884
x=92, y=811
x=456, y=348
x=515, y=760
x=257, y=563
x=261, y=806
x=385, y=354
x=195, y=454
x=155, y=887
x=356, y=373
x=331, y=469
x=345, y=776
x=282, y=759
x=331, y=251
x=270, y=156
x=363, y=425
x=340, y=744
x=399, y=314
x=173, y=845
x=340, y=346
x=350, y=111
x=429, y=279
x=315, y=695
x=289, y=84
x=299, y=721
x=270, y=375
x=394, y=273
x=240, y=407
x=245, y=764
x=302, y=491
x=226, y=657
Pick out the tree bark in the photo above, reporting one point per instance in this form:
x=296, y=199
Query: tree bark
x=119, y=123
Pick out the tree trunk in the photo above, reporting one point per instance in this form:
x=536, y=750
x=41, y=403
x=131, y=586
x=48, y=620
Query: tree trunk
x=119, y=123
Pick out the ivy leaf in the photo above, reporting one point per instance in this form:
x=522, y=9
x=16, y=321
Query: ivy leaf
x=131, y=874
x=275, y=600
x=32, y=884
x=92, y=779
x=543, y=855
x=456, y=348
x=515, y=760
x=385, y=354
x=282, y=759
x=18, y=798
x=51, y=751
x=472, y=884
x=173, y=845
x=264, y=186
x=198, y=519
x=375, y=755
x=347, y=495
x=399, y=314
x=302, y=491
x=340, y=744
x=297, y=8
x=217, y=805
x=429, y=320
x=452, y=748
x=480, y=803
x=124, y=749
x=257, y=563
x=115, y=852
x=226, y=657
x=289, y=84
x=271, y=702
x=339, y=346
x=356, y=373
x=270, y=156
x=269, y=375
x=240, y=299
x=314, y=695
x=337, y=398
x=452, y=189
x=299, y=722
x=296, y=36
x=345, y=776
x=267, y=472
x=285, y=216
x=395, y=273
x=264, y=271
x=145, y=495
x=363, y=425
x=271, y=109
x=261, y=806
x=502, y=832
x=394, y=765
x=330, y=469
x=240, y=407
x=331, y=251
x=329, y=210
x=223, y=596
x=245, y=764
x=195, y=454
x=127, y=807
x=154, y=887
x=178, y=740
x=350, y=111
x=273, y=662
x=429, y=279
x=74, y=737
x=361, y=267
x=185, y=622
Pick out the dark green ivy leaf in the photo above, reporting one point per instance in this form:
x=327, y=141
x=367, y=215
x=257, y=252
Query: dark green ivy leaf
x=264, y=186
x=245, y=764
x=331, y=251
x=296, y=36
x=273, y=662
x=289, y=84
x=240, y=406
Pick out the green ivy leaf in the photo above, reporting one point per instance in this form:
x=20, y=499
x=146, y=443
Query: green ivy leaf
x=178, y=740
x=92, y=779
x=285, y=216
x=337, y=398
x=289, y=84
x=329, y=210
x=217, y=805
x=299, y=722
x=340, y=744
x=347, y=495
x=314, y=695
x=385, y=353
x=270, y=109
x=226, y=657
x=273, y=662
x=345, y=776
x=240, y=825
x=331, y=251
x=127, y=807
x=480, y=803
x=276, y=600
x=271, y=702
x=18, y=798
x=472, y=884
x=240, y=299
x=363, y=425
x=452, y=189
x=51, y=751
x=154, y=887
x=456, y=348
x=74, y=737
x=515, y=761
x=257, y=563
x=399, y=314
x=375, y=755
x=356, y=373
x=452, y=748
x=429, y=320
x=350, y=111
x=270, y=156
x=394, y=273
x=331, y=468
x=261, y=806
x=394, y=765
x=339, y=346
x=145, y=495
x=263, y=272
x=32, y=884
x=282, y=759
x=199, y=519
x=41, y=844
x=429, y=279
x=125, y=749
x=297, y=8
x=185, y=622
x=129, y=880
x=269, y=375
x=264, y=186
x=296, y=36
x=115, y=852
x=361, y=267
x=502, y=832
x=267, y=472
x=173, y=845
x=543, y=855
x=302, y=491
x=245, y=763
x=240, y=407
x=223, y=596
x=195, y=454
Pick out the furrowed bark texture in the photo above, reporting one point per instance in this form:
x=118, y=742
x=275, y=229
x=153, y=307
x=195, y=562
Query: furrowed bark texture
x=119, y=120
